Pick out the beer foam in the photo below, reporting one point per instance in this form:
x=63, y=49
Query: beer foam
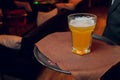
x=82, y=22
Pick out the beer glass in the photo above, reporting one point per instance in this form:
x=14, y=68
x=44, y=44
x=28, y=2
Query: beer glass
x=81, y=26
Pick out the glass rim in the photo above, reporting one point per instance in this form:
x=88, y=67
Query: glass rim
x=83, y=14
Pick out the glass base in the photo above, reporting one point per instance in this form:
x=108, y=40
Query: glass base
x=81, y=52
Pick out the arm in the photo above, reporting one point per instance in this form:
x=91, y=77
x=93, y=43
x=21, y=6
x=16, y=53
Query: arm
x=26, y=5
x=70, y=6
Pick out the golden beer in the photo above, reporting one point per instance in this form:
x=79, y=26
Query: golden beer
x=81, y=34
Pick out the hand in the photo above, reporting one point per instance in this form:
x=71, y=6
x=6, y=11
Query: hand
x=69, y=6
x=11, y=41
x=59, y=5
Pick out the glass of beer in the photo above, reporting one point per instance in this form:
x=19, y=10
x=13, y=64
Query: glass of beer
x=81, y=26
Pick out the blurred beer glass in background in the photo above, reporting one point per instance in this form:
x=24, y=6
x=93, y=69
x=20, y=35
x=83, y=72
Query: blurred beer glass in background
x=81, y=26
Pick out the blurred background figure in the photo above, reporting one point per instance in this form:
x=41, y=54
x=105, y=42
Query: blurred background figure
x=112, y=29
x=64, y=8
